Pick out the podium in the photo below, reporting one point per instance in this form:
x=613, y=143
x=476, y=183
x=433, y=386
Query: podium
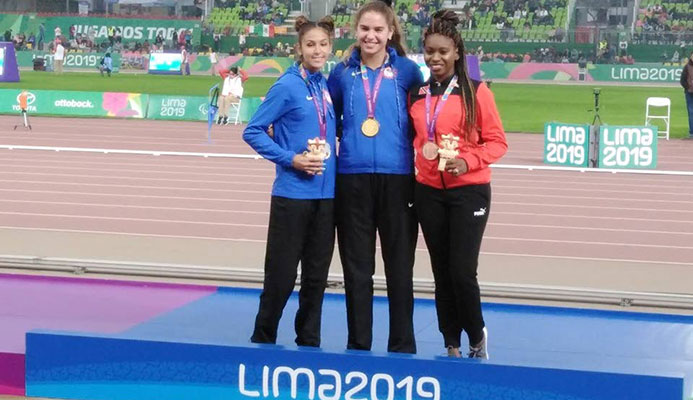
x=109, y=340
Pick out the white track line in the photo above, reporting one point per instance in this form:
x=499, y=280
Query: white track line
x=127, y=206
x=134, y=152
x=257, y=157
x=264, y=227
x=228, y=200
x=496, y=212
x=227, y=211
x=589, y=207
x=418, y=249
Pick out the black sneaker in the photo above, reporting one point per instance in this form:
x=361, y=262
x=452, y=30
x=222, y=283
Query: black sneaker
x=480, y=350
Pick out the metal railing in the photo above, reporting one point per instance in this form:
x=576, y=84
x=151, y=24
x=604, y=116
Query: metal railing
x=507, y=291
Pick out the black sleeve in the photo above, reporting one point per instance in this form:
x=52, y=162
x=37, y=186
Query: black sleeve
x=412, y=133
x=684, y=77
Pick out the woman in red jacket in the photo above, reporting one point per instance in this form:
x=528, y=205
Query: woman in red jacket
x=458, y=134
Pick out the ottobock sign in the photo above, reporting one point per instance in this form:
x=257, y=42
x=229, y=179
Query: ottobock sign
x=566, y=144
x=628, y=147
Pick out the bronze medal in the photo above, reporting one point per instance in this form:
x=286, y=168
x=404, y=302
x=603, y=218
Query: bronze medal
x=430, y=151
x=370, y=127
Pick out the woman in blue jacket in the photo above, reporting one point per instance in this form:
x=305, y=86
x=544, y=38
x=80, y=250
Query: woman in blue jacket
x=301, y=226
x=375, y=183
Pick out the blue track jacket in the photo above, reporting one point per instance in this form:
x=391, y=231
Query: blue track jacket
x=289, y=106
x=390, y=151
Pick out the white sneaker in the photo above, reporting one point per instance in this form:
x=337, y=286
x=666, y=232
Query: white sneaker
x=481, y=349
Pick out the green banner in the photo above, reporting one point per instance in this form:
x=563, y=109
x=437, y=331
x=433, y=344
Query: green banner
x=83, y=104
x=651, y=73
x=132, y=29
x=635, y=73
x=628, y=147
x=73, y=61
x=120, y=105
x=178, y=107
x=566, y=144
x=194, y=108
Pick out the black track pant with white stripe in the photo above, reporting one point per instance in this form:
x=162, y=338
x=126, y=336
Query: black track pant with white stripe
x=453, y=223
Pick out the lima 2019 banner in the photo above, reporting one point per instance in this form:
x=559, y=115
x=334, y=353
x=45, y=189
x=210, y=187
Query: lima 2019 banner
x=651, y=73
x=117, y=105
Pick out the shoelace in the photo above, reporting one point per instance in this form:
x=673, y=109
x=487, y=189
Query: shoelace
x=478, y=352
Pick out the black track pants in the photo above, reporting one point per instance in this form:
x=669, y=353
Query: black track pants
x=299, y=230
x=367, y=203
x=453, y=223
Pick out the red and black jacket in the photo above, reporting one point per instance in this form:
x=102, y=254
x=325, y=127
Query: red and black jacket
x=486, y=143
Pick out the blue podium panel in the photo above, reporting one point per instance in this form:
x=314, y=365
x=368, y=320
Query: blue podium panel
x=78, y=366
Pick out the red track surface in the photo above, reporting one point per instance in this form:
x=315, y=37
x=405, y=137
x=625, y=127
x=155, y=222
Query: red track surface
x=542, y=213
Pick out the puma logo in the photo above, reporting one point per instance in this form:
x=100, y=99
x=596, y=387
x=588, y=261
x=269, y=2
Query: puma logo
x=480, y=213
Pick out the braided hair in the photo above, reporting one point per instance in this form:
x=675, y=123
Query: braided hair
x=444, y=22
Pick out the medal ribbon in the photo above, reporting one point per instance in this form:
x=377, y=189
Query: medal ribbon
x=322, y=112
x=431, y=123
x=371, y=99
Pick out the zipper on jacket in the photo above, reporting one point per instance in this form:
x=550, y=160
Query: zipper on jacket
x=442, y=176
x=375, y=148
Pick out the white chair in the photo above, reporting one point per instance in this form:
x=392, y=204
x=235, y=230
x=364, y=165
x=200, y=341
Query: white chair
x=659, y=102
x=237, y=108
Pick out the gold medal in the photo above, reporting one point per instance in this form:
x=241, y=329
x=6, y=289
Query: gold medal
x=370, y=127
x=430, y=151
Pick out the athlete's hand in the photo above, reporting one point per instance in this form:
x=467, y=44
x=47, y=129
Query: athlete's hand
x=310, y=164
x=456, y=166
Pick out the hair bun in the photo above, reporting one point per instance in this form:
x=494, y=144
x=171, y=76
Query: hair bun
x=300, y=21
x=327, y=23
x=446, y=17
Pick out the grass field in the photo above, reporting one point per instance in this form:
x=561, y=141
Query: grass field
x=193, y=85
x=523, y=107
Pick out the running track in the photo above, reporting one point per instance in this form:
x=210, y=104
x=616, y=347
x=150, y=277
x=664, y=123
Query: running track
x=558, y=227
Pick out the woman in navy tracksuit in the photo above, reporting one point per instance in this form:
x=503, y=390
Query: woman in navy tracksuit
x=301, y=226
x=375, y=175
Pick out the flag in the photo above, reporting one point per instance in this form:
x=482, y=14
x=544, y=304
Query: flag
x=211, y=117
x=271, y=30
x=258, y=29
x=249, y=29
x=212, y=110
x=265, y=30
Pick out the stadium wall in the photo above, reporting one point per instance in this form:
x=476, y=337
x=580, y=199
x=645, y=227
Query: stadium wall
x=132, y=29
